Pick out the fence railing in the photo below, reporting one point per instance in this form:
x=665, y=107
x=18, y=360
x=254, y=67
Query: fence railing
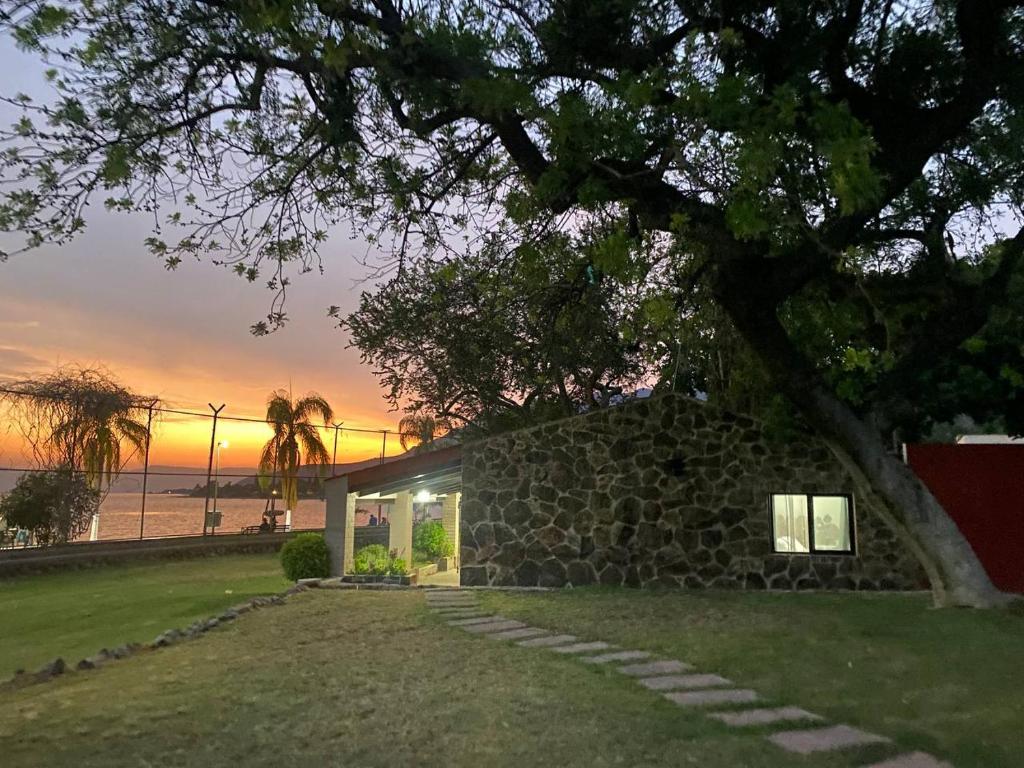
x=197, y=471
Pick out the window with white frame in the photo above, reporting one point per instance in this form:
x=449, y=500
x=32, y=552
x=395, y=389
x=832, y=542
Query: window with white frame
x=812, y=523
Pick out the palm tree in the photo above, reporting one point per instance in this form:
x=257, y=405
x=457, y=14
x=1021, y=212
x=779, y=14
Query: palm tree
x=295, y=440
x=419, y=429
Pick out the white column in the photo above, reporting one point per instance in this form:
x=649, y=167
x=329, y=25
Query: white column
x=400, y=540
x=340, y=524
x=288, y=519
x=94, y=528
x=450, y=520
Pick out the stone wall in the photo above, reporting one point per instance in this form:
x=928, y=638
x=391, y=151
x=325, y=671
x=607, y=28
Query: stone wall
x=659, y=492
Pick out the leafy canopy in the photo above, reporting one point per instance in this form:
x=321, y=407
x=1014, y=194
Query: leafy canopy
x=841, y=177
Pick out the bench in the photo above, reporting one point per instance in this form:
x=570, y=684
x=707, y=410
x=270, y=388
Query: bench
x=280, y=528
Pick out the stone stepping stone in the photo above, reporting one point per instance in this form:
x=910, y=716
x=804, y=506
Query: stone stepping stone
x=913, y=760
x=494, y=626
x=807, y=742
x=597, y=645
x=713, y=697
x=676, y=682
x=652, y=668
x=751, y=717
x=548, y=642
x=475, y=620
x=457, y=611
x=450, y=603
x=519, y=634
x=608, y=658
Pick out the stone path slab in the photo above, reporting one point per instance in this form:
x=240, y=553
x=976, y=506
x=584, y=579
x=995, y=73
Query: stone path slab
x=751, y=717
x=463, y=612
x=477, y=620
x=597, y=645
x=806, y=742
x=652, y=668
x=713, y=697
x=519, y=634
x=494, y=626
x=608, y=658
x=913, y=760
x=548, y=642
x=453, y=604
x=676, y=682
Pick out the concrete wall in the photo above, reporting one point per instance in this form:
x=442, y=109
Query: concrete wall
x=661, y=492
x=85, y=554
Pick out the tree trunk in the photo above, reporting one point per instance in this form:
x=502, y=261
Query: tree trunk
x=957, y=576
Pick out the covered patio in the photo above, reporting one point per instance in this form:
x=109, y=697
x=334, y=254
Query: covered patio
x=426, y=477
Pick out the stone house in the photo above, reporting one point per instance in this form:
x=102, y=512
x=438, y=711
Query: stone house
x=666, y=492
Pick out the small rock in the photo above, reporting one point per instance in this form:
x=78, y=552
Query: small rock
x=86, y=664
x=228, y=615
x=169, y=637
x=51, y=670
x=308, y=582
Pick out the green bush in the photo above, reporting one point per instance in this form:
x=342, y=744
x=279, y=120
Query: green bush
x=432, y=539
x=306, y=557
x=371, y=559
x=56, y=506
x=375, y=559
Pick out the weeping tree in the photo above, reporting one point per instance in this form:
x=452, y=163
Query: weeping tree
x=296, y=441
x=80, y=420
x=807, y=162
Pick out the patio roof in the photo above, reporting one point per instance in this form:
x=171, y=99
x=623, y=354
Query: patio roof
x=438, y=471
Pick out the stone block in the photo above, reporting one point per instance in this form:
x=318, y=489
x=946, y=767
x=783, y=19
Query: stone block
x=713, y=697
x=755, y=717
x=806, y=742
x=653, y=668
x=519, y=634
x=597, y=645
x=912, y=760
x=683, y=682
x=616, y=656
x=548, y=642
x=494, y=626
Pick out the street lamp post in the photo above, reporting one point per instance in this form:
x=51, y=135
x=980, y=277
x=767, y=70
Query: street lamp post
x=216, y=485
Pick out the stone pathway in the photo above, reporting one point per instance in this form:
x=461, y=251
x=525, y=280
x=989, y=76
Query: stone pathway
x=679, y=683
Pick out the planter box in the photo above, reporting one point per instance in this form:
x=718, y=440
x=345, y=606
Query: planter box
x=445, y=564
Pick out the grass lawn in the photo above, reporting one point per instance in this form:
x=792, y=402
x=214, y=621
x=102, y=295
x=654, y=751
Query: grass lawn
x=949, y=682
x=372, y=679
x=73, y=614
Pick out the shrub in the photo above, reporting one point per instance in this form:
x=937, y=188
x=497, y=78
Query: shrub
x=306, y=557
x=56, y=506
x=371, y=559
x=397, y=567
x=432, y=539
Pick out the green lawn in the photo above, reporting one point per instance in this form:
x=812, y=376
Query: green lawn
x=950, y=682
x=372, y=679
x=73, y=614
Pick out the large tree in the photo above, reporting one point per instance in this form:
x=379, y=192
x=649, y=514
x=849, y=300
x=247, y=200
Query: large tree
x=500, y=338
x=805, y=160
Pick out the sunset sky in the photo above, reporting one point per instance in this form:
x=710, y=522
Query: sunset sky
x=184, y=335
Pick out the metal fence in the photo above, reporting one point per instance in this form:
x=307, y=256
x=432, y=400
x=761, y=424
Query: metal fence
x=197, y=472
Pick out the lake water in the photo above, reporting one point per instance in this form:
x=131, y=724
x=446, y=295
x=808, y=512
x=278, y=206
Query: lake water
x=168, y=515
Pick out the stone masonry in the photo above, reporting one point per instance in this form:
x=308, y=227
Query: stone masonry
x=666, y=491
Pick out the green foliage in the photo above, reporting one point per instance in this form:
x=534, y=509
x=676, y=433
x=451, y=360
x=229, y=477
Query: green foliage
x=375, y=559
x=431, y=538
x=56, y=507
x=306, y=556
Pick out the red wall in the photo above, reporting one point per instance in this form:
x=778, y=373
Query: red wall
x=982, y=487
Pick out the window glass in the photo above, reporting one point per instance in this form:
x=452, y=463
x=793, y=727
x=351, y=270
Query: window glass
x=832, y=523
x=790, y=513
